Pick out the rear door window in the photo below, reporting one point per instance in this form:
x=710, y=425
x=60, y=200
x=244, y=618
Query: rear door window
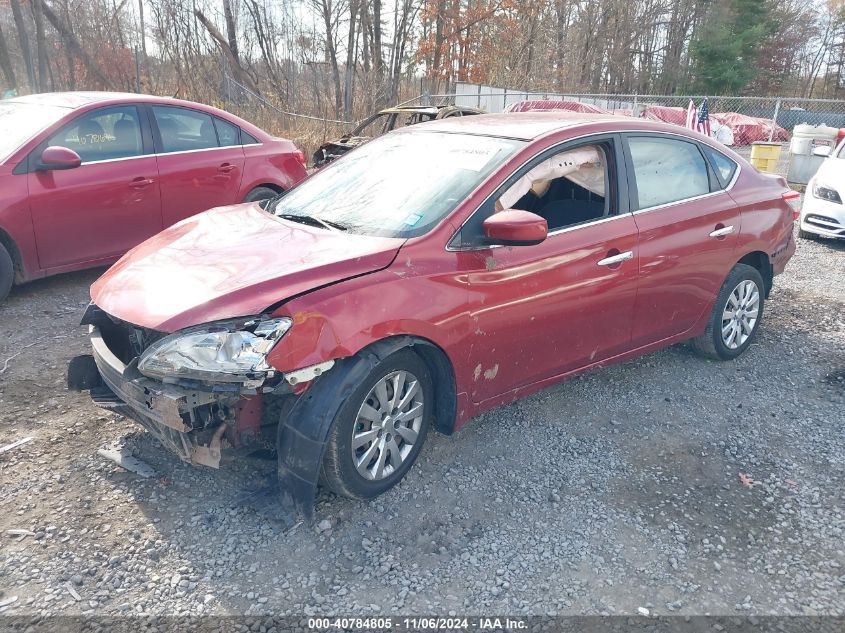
x=183, y=129
x=667, y=170
x=102, y=134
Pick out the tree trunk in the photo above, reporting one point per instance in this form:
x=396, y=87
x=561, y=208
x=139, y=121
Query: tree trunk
x=562, y=7
x=225, y=47
x=438, y=44
x=331, y=51
x=378, y=60
x=6, y=63
x=23, y=41
x=231, y=30
x=145, y=60
x=40, y=46
x=349, y=71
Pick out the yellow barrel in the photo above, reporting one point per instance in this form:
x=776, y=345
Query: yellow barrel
x=765, y=156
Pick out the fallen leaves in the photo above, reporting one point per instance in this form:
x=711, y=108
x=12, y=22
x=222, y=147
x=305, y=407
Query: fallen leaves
x=746, y=480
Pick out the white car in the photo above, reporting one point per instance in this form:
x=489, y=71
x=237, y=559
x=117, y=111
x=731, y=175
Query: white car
x=823, y=212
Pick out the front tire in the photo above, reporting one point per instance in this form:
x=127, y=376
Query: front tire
x=7, y=272
x=736, y=315
x=380, y=428
x=806, y=235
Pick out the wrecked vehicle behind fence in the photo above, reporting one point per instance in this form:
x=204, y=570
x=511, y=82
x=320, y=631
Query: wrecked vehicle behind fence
x=383, y=122
x=339, y=323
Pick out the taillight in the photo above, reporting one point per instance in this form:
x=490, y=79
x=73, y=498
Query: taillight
x=300, y=156
x=793, y=199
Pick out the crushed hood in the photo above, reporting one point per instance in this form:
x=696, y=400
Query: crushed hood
x=231, y=262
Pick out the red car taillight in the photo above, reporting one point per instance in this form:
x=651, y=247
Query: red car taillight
x=793, y=199
x=300, y=156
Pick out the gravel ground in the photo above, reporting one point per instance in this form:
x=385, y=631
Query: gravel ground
x=668, y=483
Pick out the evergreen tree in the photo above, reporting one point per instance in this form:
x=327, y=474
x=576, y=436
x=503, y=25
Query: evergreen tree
x=724, y=52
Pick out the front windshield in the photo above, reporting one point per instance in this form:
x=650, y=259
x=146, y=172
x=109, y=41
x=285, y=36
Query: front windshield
x=21, y=121
x=399, y=185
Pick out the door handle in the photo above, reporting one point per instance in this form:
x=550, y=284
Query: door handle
x=725, y=230
x=616, y=259
x=140, y=183
x=226, y=168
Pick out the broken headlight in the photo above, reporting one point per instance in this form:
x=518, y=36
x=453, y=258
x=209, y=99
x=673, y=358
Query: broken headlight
x=218, y=352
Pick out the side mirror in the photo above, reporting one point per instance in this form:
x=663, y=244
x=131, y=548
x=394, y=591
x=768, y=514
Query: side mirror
x=57, y=157
x=821, y=150
x=513, y=227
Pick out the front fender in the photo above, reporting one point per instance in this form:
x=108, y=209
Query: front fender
x=304, y=431
x=341, y=320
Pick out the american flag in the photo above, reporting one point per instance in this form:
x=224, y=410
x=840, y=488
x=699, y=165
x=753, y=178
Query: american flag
x=698, y=119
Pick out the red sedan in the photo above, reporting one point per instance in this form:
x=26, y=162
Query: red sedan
x=429, y=275
x=84, y=177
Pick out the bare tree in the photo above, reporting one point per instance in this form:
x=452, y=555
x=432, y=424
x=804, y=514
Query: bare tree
x=74, y=47
x=40, y=44
x=6, y=63
x=23, y=40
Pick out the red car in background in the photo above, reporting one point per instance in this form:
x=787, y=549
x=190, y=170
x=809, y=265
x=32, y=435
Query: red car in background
x=84, y=177
x=341, y=322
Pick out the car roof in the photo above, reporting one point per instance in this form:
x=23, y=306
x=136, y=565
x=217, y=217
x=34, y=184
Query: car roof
x=528, y=126
x=74, y=100
x=432, y=109
x=400, y=109
x=71, y=100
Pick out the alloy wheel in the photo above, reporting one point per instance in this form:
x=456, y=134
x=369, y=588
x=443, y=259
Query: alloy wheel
x=739, y=317
x=387, y=425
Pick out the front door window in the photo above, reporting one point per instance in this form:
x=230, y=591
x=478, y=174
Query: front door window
x=103, y=134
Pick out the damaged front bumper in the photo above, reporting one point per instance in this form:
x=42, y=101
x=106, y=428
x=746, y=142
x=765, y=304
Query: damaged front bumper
x=204, y=422
x=193, y=423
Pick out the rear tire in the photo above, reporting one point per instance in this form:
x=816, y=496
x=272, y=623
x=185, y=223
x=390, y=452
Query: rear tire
x=260, y=193
x=7, y=272
x=736, y=315
x=386, y=449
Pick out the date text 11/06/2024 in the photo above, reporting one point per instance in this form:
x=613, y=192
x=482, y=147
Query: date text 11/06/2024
x=431, y=623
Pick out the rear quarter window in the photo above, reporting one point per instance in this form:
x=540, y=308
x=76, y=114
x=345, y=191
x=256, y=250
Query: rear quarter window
x=724, y=167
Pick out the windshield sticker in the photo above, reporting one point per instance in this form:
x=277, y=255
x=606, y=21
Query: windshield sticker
x=473, y=159
x=412, y=219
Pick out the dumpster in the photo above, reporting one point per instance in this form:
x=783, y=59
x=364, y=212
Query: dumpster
x=765, y=156
x=803, y=164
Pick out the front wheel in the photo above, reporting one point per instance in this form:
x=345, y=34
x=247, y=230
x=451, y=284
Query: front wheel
x=7, y=272
x=380, y=428
x=736, y=315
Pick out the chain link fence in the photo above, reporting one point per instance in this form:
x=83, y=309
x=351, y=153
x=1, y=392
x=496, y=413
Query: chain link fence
x=742, y=121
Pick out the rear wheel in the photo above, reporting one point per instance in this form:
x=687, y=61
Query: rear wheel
x=736, y=315
x=7, y=272
x=260, y=193
x=380, y=428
